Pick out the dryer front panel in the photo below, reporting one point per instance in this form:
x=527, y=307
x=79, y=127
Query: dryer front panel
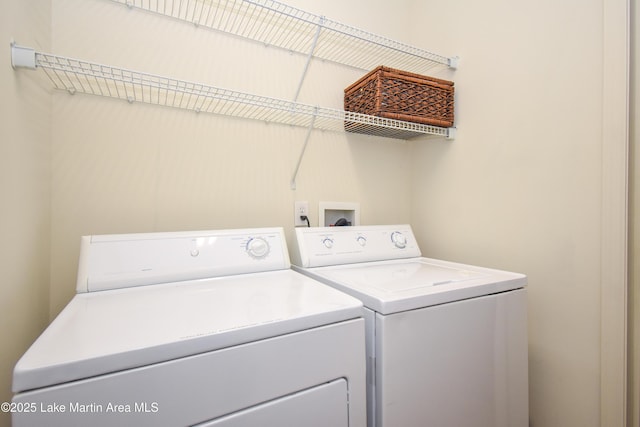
x=211, y=385
x=321, y=406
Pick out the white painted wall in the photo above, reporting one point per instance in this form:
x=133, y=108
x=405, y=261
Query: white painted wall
x=634, y=232
x=25, y=189
x=521, y=186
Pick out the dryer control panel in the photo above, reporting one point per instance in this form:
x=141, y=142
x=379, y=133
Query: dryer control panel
x=125, y=260
x=322, y=246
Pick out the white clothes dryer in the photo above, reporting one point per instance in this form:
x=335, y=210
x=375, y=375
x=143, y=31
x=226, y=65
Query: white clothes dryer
x=446, y=342
x=207, y=328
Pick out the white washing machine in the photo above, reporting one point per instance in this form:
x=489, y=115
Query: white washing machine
x=205, y=328
x=446, y=342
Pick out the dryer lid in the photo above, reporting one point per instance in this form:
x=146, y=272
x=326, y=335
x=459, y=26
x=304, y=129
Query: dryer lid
x=110, y=331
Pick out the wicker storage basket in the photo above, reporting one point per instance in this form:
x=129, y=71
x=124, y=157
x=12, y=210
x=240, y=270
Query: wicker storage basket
x=401, y=95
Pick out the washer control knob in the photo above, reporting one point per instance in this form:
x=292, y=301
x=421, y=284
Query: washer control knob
x=327, y=242
x=399, y=239
x=361, y=240
x=257, y=247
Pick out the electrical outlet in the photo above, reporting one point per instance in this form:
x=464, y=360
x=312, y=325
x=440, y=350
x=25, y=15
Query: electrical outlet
x=300, y=209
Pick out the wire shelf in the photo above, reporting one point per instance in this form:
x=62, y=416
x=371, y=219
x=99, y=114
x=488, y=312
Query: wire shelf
x=78, y=76
x=277, y=24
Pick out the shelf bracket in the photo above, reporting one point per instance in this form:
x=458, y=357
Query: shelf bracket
x=23, y=57
x=310, y=56
x=453, y=62
x=304, y=148
x=451, y=133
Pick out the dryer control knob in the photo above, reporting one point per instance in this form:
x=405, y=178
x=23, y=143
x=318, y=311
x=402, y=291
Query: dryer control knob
x=327, y=242
x=258, y=247
x=399, y=239
x=361, y=240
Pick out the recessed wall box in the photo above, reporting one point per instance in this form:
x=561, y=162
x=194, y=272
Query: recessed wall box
x=331, y=212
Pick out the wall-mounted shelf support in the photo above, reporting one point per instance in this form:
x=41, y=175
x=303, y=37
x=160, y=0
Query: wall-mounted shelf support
x=309, y=57
x=22, y=57
x=304, y=149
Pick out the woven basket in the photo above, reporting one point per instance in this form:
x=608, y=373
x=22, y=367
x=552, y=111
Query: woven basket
x=401, y=95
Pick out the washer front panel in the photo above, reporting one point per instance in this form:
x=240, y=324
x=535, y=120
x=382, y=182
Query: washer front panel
x=458, y=364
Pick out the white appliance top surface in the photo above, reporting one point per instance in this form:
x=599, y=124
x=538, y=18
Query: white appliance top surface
x=148, y=298
x=102, y=332
x=406, y=284
x=383, y=267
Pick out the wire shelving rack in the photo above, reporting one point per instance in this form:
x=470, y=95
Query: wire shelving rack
x=276, y=24
x=78, y=76
x=265, y=21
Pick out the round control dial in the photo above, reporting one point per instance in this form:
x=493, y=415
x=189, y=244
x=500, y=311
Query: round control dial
x=361, y=240
x=258, y=247
x=399, y=239
x=327, y=242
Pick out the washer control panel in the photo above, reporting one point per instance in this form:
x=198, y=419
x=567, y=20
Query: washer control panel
x=321, y=246
x=118, y=261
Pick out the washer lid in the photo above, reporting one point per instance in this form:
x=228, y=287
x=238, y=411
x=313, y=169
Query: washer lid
x=109, y=331
x=400, y=285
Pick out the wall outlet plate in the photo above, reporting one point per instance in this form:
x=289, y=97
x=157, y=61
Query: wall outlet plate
x=300, y=209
